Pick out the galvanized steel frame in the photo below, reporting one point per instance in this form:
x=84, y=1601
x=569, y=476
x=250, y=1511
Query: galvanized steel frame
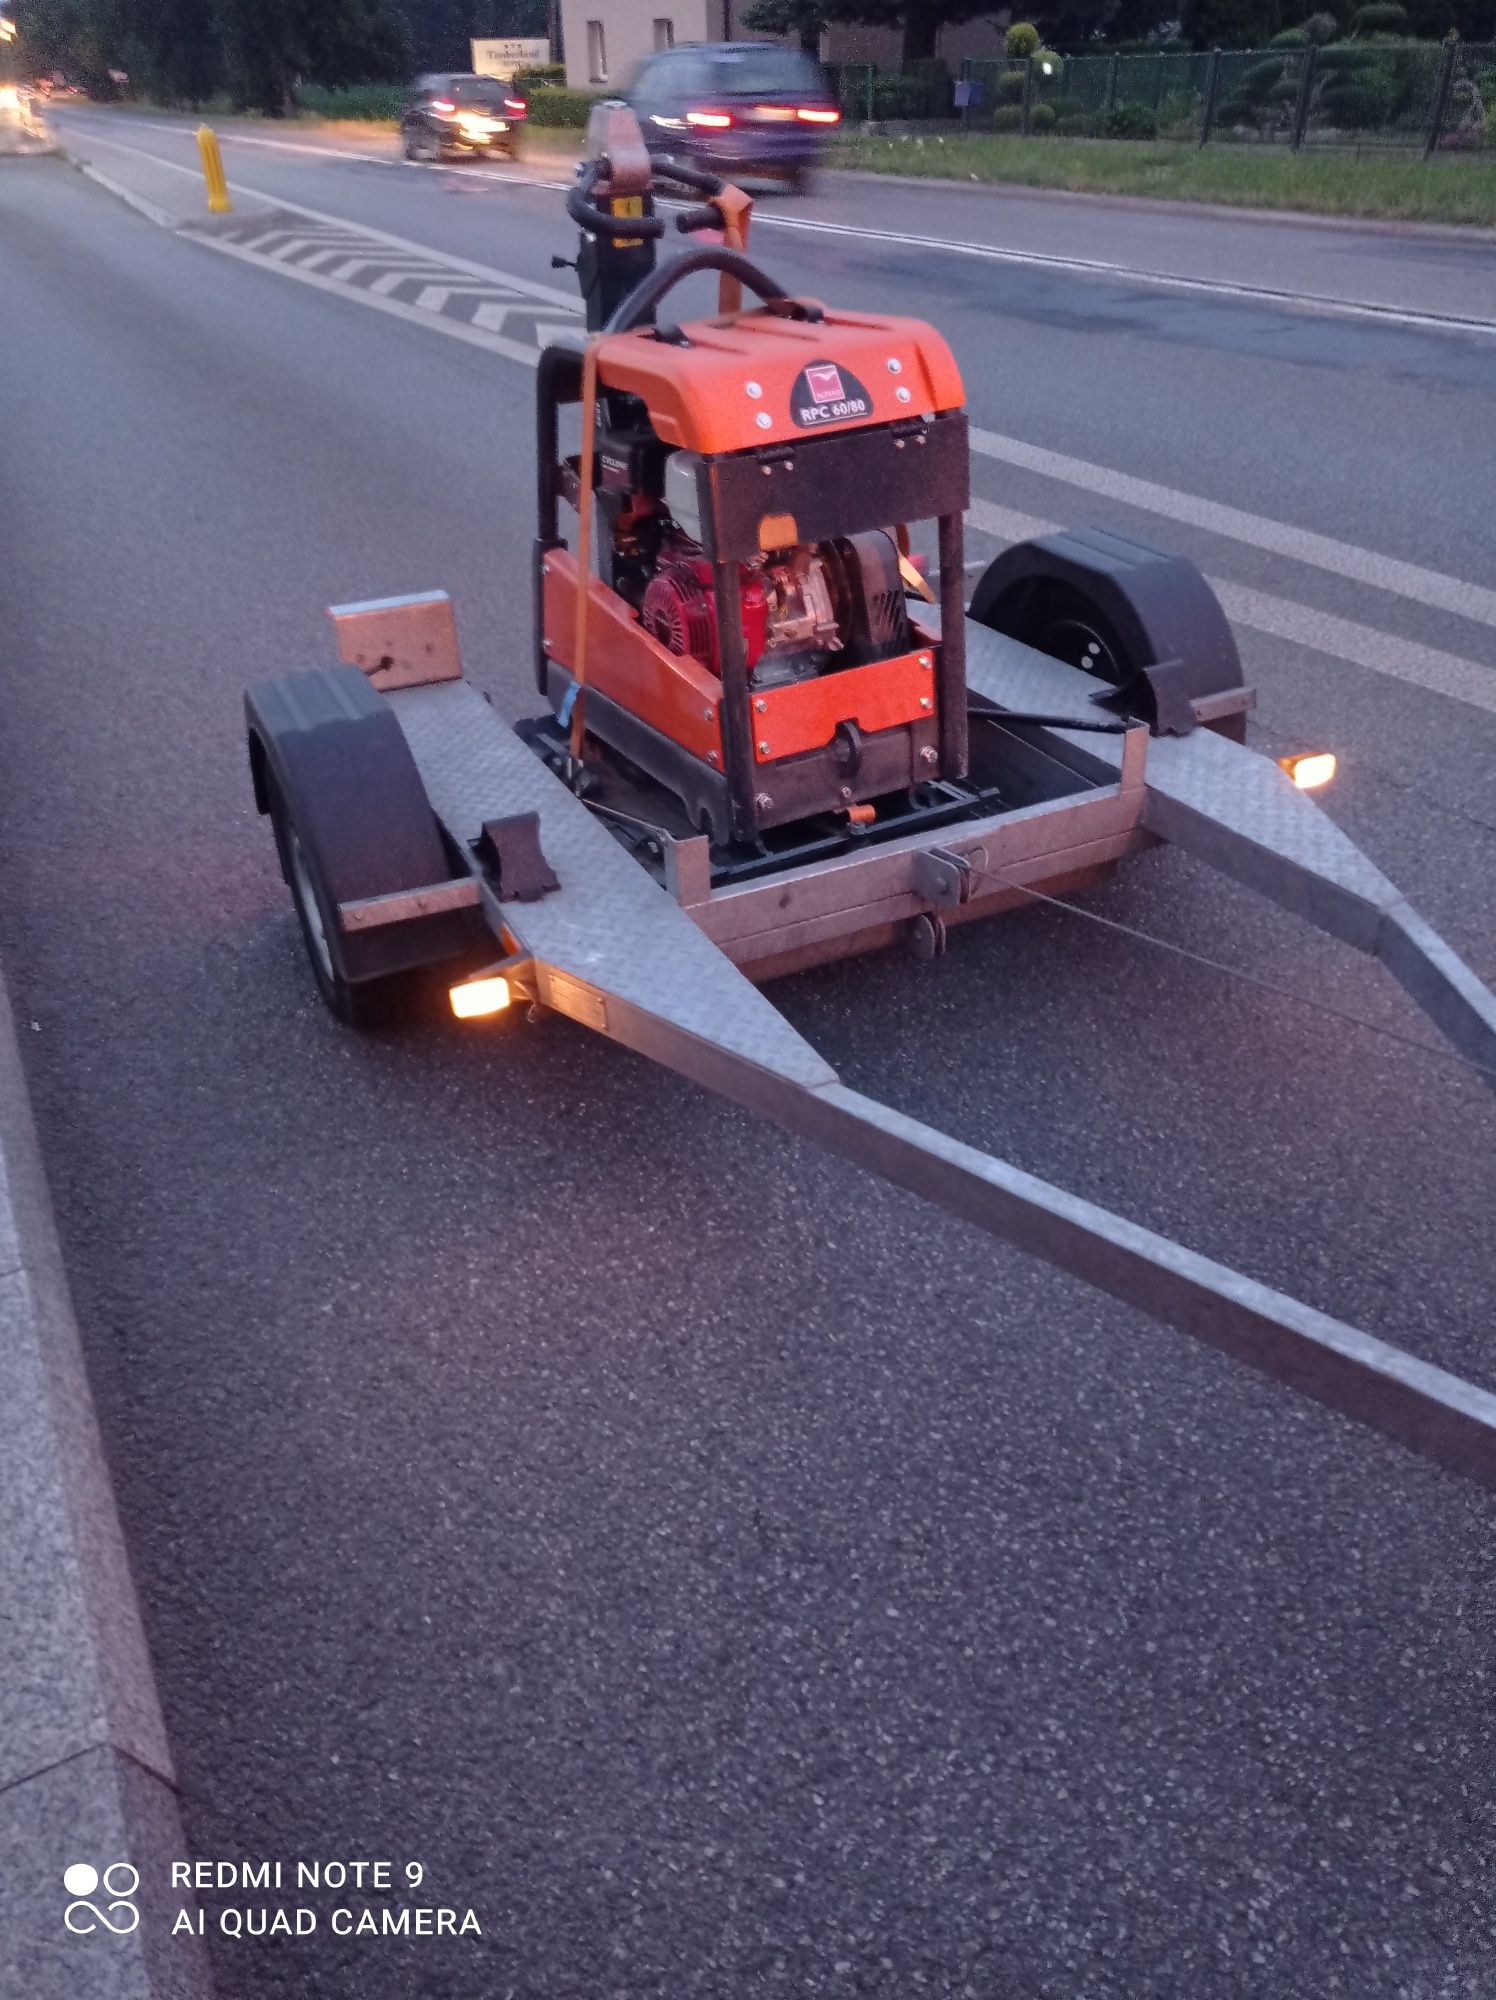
x=621, y=955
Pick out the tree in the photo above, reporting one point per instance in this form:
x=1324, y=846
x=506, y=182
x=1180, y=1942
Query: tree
x=440, y=30
x=181, y=49
x=920, y=20
x=806, y=20
x=1230, y=24
x=272, y=45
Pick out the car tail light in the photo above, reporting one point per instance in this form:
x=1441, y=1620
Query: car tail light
x=442, y=104
x=818, y=117
x=517, y=105
x=714, y=121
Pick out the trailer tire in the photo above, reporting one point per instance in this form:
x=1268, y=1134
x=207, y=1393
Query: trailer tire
x=373, y=1003
x=1114, y=608
x=352, y=821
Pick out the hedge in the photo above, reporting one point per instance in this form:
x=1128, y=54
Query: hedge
x=558, y=106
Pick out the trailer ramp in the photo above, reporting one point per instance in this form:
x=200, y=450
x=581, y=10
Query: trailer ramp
x=1236, y=810
x=613, y=950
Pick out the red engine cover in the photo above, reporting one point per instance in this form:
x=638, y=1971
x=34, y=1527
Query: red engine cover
x=681, y=611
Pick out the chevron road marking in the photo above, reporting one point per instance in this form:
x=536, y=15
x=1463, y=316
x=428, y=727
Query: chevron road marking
x=502, y=294
x=1311, y=302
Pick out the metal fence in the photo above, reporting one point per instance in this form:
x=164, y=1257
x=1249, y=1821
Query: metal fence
x=1432, y=96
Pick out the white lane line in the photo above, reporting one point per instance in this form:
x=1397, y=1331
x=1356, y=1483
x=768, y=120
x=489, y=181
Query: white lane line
x=1403, y=579
x=1344, y=639
x=1313, y=302
x=1380, y=572
x=249, y=139
x=547, y=295
x=127, y=195
x=1300, y=624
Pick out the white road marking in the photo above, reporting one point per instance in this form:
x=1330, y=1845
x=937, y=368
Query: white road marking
x=127, y=195
x=1344, y=639
x=434, y=298
x=1312, y=302
x=1404, y=579
x=1340, y=638
x=250, y=139
x=455, y=329
x=394, y=279
x=502, y=280
x=1300, y=624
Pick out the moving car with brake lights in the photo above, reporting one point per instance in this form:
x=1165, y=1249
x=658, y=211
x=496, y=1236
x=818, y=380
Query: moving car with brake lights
x=758, y=109
x=460, y=117
x=770, y=734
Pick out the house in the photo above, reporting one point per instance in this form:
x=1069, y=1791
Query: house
x=606, y=40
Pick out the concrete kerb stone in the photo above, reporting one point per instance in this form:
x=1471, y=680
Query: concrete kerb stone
x=85, y=1772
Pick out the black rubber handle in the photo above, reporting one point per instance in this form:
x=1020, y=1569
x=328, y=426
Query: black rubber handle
x=640, y=304
x=694, y=178
x=691, y=219
x=586, y=215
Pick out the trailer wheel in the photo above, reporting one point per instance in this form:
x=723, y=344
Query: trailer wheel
x=1116, y=608
x=372, y=1003
x=352, y=822
x=1066, y=624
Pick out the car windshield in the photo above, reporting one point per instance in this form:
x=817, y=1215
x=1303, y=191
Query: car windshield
x=485, y=92
x=767, y=72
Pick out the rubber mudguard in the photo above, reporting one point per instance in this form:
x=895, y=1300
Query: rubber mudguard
x=1157, y=607
x=331, y=746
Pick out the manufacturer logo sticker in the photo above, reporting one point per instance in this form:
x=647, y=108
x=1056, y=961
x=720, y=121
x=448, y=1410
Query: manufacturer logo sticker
x=827, y=394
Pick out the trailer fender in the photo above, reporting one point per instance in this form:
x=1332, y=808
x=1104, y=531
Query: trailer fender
x=1145, y=621
x=328, y=747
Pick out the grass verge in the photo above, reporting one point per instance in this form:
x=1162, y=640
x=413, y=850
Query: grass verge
x=1401, y=189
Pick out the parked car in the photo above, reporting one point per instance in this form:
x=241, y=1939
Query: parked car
x=455, y=116
x=745, y=108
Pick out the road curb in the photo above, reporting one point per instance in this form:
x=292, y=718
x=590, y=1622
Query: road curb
x=138, y=202
x=86, y=1775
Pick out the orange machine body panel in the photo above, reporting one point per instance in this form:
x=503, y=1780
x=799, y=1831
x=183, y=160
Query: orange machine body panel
x=681, y=698
x=761, y=378
x=669, y=691
x=805, y=714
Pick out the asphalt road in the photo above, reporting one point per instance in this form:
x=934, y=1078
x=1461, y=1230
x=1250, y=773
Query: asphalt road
x=724, y=1574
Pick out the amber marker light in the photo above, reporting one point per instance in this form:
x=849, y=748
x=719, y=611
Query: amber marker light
x=1313, y=769
x=476, y=997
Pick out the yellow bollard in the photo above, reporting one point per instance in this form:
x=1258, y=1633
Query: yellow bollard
x=218, y=187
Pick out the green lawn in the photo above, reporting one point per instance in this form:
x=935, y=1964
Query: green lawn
x=1403, y=188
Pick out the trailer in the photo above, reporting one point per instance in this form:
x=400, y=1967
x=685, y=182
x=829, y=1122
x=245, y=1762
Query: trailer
x=646, y=867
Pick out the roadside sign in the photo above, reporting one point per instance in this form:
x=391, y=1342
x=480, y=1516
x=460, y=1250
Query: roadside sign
x=504, y=55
